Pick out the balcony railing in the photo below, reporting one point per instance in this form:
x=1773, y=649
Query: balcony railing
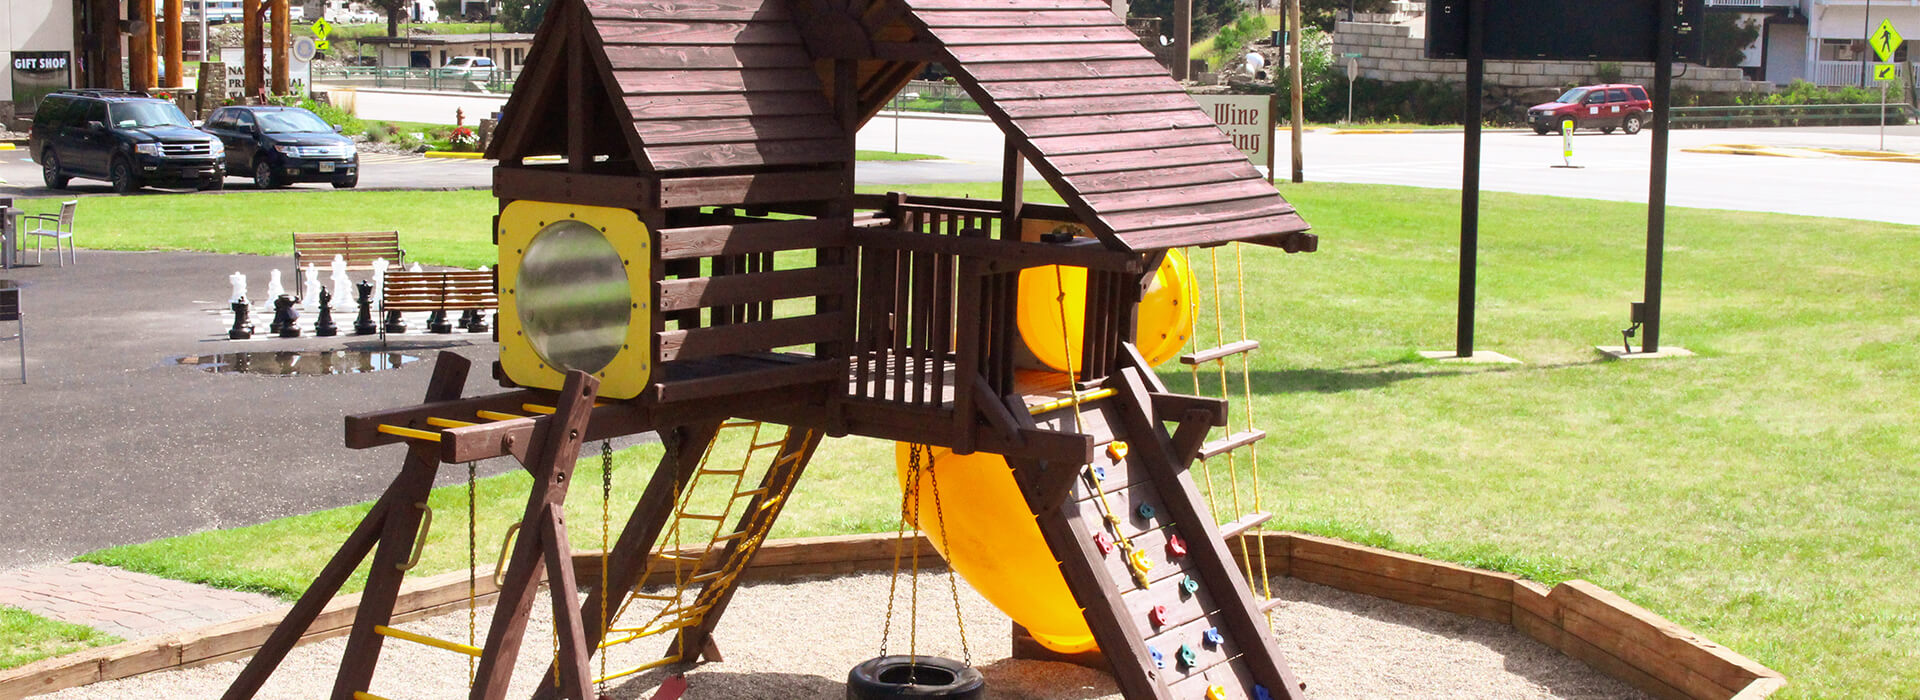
x=1837, y=73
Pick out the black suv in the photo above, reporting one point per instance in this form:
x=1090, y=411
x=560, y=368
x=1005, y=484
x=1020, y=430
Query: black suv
x=279, y=145
x=125, y=138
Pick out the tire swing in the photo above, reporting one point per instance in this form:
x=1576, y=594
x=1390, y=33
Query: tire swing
x=891, y=677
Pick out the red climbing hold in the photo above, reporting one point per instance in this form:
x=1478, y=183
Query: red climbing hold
x=1175, y=546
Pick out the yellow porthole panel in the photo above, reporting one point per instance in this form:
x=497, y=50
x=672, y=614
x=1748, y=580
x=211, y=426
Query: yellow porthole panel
x=575, y=285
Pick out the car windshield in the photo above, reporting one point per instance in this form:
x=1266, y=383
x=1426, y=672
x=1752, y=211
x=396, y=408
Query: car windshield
x=291, y=122
x=1572, y=97
x=140, y=115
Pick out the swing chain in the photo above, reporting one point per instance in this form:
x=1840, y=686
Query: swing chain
x=606, y=526
x=900, y=535
x=473, y=564
x=940, y=519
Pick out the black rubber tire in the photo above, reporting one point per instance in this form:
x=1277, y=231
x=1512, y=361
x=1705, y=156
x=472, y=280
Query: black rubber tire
x=50, y=170
x=263, y=176
x=891, y=678
x=347, y=183
x=120, y=174
x=1541, y=130
x=214, y=183
x=1606, y=130
x=1631, y=125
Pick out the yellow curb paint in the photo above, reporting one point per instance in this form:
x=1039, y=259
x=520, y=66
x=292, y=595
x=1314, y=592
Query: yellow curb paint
x=452, y=154
x=8, y=147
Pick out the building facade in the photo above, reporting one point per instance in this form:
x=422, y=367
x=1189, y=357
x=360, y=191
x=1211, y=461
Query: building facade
x=36, y=47
x=1821, y=41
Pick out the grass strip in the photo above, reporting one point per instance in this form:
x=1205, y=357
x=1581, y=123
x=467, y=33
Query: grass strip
x=26, y=638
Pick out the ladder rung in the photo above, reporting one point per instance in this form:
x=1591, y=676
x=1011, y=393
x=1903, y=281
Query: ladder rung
x=448, y=423
x=1243, y=524
x=654, y=596
x=709, y=576
x=1086, y=398
x=1267, y=606
x=1228, y=350
x=750, y=492
x=434, y=642
x=1231, y=443
x=734, y=536
x=497, y=416
x=671, y=658
x=537, y=408
x=739, y=424
x=409, y=433
x=724, y=472
x=362, y=695
x=697, y=516
x=765, y=445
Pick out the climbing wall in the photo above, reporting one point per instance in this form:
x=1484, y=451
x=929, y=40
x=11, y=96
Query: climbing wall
x=1173, y=616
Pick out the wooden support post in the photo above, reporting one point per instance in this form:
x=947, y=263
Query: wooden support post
x=449, y=378
x=175, y=50
x=628, y=560
x=578, y=115
x=1182, y=39
x=253, y=48
x=552, y=458
x=140, y=68
x=1293, y=69
x=1013, y=185
x=282, y=48
x=401, y=527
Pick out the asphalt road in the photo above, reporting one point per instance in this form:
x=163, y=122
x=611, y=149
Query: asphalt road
x=20, y=176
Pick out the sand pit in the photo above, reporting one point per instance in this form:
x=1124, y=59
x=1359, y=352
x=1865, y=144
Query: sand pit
x=798, y=639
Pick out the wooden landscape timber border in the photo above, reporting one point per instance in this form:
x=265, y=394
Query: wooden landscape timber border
x=1577, y=618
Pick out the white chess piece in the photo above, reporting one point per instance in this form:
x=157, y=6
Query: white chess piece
x=310, y=296
x=239, y=282
x=342, y=287
x=415, y=268
x=379, y=280
x=274, y=288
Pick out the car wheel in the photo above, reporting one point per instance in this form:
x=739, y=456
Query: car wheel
x=1606, y=130
x=1632, y=125
x=213, y=183
x=121, y=175
x=263, y=176
x=1541, y=130
x=348, y=182
x=50, y=170
x=922, y=678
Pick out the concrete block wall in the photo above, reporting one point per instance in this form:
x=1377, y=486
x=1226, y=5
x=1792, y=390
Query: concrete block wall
x=1397, y=53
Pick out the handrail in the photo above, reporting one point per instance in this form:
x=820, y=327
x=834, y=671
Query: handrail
x=1792, y=115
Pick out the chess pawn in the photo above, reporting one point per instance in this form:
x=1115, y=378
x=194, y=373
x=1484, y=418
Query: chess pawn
x=363, y=323
x=286, y=317
x=323, y=326
x=437, y=322
x=239, y=282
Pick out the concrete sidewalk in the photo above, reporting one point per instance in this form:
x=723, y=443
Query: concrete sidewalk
x=123, y=603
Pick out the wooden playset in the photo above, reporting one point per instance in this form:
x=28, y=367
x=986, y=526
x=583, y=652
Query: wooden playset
x=698, y=264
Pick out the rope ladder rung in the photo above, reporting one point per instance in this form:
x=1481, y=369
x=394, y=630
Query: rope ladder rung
x=434, y=642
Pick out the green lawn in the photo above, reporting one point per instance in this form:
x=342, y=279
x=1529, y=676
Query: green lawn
x=890, y=155
x=26, y=638
x=1762, y=494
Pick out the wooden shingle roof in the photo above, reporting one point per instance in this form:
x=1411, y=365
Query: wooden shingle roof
x=1121, y=142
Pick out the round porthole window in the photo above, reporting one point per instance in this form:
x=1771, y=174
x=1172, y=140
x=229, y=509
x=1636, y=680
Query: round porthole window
x=574, y=300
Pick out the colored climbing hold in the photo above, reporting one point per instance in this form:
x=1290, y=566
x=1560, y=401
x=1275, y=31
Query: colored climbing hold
x=1145, y=510
x=1138, y=558
x=1158, y=616
x=1213, y=637
x=1260, y=692
x=1187, y=657
x=1099, y=472
x=1216, y=692
x=1158, y=660
x=1188, y=584
x=1176, y=547
x=1117, y=450
x=1100, y=540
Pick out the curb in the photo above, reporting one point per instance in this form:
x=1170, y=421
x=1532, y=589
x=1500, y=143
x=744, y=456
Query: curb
x=465, y=155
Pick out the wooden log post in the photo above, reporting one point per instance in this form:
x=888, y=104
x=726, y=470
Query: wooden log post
x=174, y=52
x=253, y=48
x=282, y=46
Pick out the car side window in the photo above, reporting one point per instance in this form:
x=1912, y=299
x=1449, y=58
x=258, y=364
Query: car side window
x=96, y=112
x=1637, y=93
x=53, y=111
x=1616, y=95
x=242, y=120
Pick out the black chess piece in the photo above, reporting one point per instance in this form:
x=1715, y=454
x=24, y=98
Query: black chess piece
x=242, y=326
x=363, y=324
x=323, y=326
x=472, y=321
x=286, y=317
x=437, y=322
x=395, y=322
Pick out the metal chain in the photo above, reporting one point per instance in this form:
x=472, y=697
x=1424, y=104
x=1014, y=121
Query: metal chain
x=953, y=584
x=899, y=540
x=606, y=526
x=473, y=592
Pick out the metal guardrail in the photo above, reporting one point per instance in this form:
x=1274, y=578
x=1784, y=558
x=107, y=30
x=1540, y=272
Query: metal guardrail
x=935, y=96
x=1793, y=115
x=498, y=81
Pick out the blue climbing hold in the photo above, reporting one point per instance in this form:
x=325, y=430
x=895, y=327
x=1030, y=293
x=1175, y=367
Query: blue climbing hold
x=1099, y=472
x=1260, y=692
x=1213, y=636
x=1188, y=584
x=1145, y=510
x=1158, y=660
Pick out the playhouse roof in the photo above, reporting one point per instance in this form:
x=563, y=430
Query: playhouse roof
x=736, y=86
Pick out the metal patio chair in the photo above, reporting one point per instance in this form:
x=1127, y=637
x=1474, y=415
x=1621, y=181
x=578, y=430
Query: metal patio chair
x=58, y=227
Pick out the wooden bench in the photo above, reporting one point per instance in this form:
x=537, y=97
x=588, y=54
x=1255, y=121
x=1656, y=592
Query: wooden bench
x=469, y=291
x=359, y=250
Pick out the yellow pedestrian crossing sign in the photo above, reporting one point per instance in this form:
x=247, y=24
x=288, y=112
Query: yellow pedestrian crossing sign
x=321, y=28
x=1886, y=41
x=1886, y=71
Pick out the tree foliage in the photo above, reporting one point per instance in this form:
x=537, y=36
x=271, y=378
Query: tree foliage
x=1208, y=15
x=522, y=15
x=396, y=10
x=1324, y=13
x=1724, y=37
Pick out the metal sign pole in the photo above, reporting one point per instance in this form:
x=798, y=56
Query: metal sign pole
x=1657, y=179
x=1470, y=176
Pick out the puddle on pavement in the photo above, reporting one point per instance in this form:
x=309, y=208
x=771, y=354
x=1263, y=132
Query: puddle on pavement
x=304, y=363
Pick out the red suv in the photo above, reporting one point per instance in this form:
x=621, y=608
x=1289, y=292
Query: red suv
x=1603, y=107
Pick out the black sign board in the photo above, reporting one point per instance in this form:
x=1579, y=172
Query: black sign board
x=36, y=73
x=1564, y=30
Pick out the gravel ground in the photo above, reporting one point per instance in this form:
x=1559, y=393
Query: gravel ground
x=797, y=640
